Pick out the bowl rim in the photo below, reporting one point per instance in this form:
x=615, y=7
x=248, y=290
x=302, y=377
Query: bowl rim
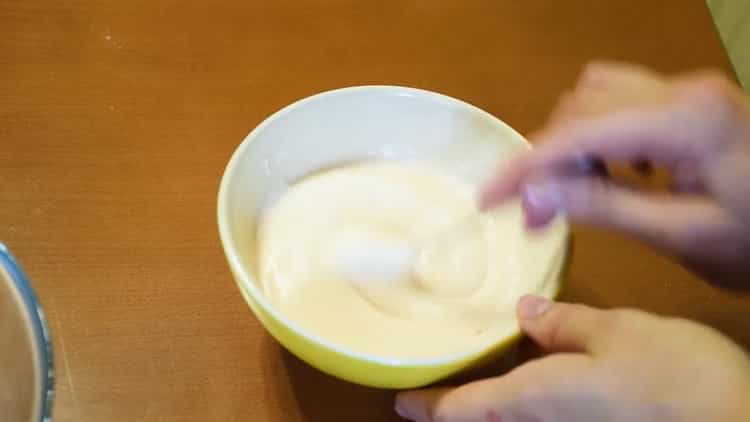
x=40, y=331
x=245, y=280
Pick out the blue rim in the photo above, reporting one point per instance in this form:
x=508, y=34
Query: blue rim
x=39, y=324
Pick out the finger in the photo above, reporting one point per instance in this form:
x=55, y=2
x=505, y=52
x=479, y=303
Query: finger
x=596, y=87
x=623, y=137
x=505, y=184
x=696, y=116
x=699, y=116
x=616, y=75
x=562, y=327
x=686, y=180
x=672, y=222
x=606, y=87
x=662, y=135
x=593, y=103
x=494, y=399
x=657, y=134
x=507, y=181
x=564, y=109
x=585, y=118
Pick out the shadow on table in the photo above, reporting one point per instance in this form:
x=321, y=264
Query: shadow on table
x=322, y=398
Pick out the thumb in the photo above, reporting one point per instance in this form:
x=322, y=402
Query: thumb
x=500, y=398
x=562, y=327
x=555, y=326
x=666, y=221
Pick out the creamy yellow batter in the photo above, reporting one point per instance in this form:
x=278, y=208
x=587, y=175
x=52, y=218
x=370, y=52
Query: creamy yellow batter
x=392, y=259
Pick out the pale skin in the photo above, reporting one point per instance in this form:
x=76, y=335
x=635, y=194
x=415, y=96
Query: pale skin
x=627, y=365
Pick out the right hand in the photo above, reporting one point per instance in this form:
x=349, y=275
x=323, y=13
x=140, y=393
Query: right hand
x=695, y=125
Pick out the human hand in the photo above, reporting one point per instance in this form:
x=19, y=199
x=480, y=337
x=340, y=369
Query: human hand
x=617, y=365
x=696, y=125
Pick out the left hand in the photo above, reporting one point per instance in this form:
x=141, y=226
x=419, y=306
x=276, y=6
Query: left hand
x=617, y=365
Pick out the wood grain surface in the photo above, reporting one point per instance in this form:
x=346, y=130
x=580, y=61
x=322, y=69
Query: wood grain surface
x=116, y=122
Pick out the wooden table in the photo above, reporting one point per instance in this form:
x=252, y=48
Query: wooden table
x=116, y=121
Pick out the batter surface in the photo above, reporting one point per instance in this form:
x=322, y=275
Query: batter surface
x=393, y=259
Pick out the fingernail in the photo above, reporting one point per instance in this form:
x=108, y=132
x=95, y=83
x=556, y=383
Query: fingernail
x=401, y=411
x=531, y=307
x=541, y=201
x=543, y=196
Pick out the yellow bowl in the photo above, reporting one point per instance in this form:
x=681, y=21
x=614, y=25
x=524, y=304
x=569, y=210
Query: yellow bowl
x=352, y=124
